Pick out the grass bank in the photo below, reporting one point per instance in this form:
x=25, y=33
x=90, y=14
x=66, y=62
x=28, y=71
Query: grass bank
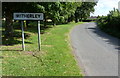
x=54, y=59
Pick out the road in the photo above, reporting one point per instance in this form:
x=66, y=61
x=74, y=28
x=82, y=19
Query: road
x=95, y=51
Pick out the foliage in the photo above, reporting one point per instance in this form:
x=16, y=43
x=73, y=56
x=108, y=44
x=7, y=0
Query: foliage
x=58, y=12
x=83, y=12
x=110, y=23
x=9, y=8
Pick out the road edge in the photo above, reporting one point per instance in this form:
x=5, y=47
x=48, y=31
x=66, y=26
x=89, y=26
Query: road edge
x=79, y=62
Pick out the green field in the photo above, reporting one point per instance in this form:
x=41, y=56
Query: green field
x=54, y=59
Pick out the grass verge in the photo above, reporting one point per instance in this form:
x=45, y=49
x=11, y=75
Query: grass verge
x=54, y=59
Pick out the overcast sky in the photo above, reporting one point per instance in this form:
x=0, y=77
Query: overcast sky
x=104, y=6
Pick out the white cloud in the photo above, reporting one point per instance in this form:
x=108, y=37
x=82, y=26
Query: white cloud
x=104, y=6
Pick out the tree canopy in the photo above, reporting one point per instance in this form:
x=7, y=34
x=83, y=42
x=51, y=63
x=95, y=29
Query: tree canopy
x=84, y=10
x=58, y=12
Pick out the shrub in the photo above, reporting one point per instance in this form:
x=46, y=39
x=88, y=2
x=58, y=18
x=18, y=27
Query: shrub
x=110, y=23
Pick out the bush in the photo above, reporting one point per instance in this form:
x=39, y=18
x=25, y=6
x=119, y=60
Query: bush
x=110, y=23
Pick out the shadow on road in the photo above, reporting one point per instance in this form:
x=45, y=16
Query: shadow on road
x=107, y=38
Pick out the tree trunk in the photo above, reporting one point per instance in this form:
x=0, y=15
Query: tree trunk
x=27, y=22
x=76, y=20
x=8, y=25
x=76, y=17
x=45, y=21
x=54, y=23
x=81, y=18
x=69, y=19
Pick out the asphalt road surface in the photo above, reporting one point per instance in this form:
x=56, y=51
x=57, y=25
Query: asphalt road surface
x=95, y=51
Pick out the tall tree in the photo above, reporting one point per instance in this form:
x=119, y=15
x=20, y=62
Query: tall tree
x=9, y=8
x=84, y=10
x=59, y=11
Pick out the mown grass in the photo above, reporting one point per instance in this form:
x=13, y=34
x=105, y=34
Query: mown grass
x=54, y=59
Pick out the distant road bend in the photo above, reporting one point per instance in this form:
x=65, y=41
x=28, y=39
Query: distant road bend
x=95, y=51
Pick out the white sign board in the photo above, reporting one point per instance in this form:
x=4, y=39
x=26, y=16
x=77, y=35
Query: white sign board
x=28, y=16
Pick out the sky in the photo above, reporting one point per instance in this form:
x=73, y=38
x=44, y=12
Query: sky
x=104, y=6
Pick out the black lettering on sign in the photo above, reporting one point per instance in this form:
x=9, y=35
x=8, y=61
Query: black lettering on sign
x=22, y=16
x=28, y=16
x=31, y=15
x=39, y=16
x=17, y=16
x=34, y=16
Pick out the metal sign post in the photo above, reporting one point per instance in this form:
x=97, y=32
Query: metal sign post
x=29, y=16
x=23, y=43
x=39, y=41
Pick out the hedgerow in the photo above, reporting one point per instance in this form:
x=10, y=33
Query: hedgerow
x=110, y=23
